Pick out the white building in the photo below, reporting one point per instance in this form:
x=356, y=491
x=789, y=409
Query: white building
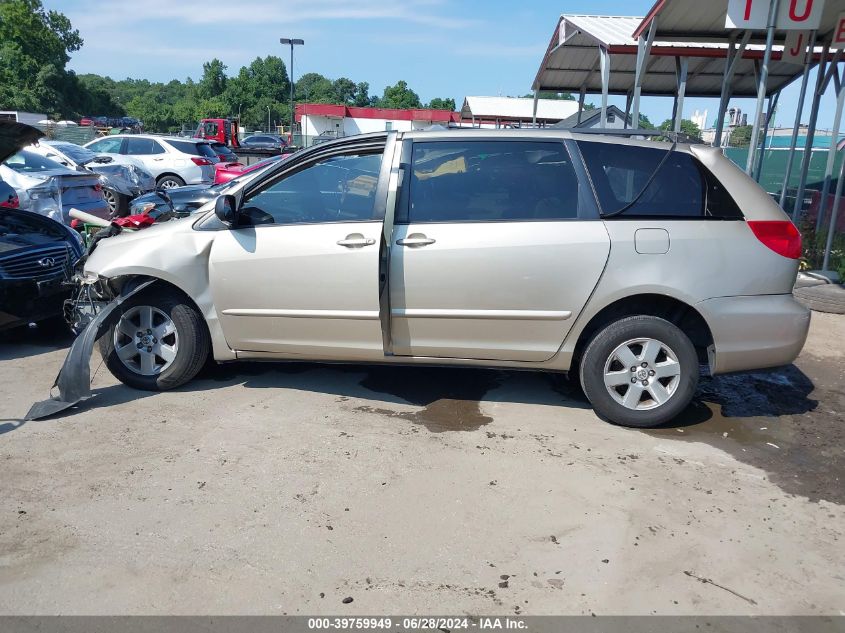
x=515, y=112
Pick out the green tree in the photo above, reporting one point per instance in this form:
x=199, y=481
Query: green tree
x=646, y=124
x=344, y=90
x=213, y=82
x=740, y=136
x=35, y=46
x=687, y=127
x=362, y=97
x=399, y=96
x=545, y=94
x=442, y=104
x=315, y=88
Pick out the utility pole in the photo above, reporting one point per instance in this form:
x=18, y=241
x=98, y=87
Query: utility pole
x=291, y=43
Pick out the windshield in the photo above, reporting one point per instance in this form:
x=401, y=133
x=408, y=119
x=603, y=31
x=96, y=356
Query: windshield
x=79, y=155
x=30, y=163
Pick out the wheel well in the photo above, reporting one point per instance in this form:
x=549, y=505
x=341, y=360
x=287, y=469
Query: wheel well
x=169, y=174
x=125, y=284
x=687, y=318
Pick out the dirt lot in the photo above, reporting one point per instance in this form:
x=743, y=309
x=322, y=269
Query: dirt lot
x=270, y=489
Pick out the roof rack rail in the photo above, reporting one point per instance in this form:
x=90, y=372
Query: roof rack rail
x=678, y=137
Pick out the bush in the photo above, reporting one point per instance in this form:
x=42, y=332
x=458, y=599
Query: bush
x=814, y=245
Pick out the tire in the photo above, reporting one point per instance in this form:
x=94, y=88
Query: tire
x=118, y=203
x=168, y=181
x=823, y=298
x=673, y=367
x=176, y=358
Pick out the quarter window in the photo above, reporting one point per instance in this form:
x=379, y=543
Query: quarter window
x=491, y=181
x=336, y=189
x=682, y=188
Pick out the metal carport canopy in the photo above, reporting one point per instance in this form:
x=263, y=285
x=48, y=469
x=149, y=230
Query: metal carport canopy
x=572, y=60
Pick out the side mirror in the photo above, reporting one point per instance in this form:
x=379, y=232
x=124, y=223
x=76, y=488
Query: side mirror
x=226, y=210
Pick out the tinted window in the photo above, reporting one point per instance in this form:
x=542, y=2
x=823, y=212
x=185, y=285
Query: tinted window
x=107, y=145
x=337, y=189
x=681, y=188
x=489, y=181
x=194, y=149
x=142, y=147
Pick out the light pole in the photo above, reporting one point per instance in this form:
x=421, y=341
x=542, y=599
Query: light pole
x=291, y=43
x=268, y=119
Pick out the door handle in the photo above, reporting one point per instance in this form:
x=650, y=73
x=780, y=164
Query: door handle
x=416, y=239
x=355, y=240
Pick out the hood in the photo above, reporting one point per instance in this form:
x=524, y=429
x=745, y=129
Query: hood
x=24, y=229
x=181, y=195
x=16, y=136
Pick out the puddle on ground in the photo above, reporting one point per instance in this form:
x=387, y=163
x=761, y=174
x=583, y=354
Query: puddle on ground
x=449, y=397
x=788, y=422
x=782, y=421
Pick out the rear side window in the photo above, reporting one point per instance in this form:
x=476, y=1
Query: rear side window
x=194, y=149
x=682, y=188
x=491, y=181
x=142, y=147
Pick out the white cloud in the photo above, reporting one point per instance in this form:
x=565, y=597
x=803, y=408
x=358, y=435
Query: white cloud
x=266, y=12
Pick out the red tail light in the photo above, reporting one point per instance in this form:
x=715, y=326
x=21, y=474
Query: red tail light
x=98, y=187
x=202, y=162
x=779, y=235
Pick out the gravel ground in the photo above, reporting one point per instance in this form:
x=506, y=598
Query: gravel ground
x=288, y=488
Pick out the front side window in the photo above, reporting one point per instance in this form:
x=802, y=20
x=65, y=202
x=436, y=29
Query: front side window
x=336, y=189
x=681, y=188
x=491, y=181
x=106, y=146
x=142, y=147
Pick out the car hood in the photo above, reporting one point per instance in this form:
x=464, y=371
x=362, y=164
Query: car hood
x=16, y=136
x=188, y=193
x=24, y=229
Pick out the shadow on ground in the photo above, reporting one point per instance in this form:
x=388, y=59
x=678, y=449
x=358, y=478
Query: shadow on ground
x=785, y=421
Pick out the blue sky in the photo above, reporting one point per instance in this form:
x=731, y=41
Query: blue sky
x=442, y=48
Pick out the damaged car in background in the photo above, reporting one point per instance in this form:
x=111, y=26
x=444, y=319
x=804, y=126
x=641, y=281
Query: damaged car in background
x=123, y=178
x=37, y=254
x=48, y=188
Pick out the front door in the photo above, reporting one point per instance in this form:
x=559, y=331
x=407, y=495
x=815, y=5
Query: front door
x=305, y=284
x=497, y=247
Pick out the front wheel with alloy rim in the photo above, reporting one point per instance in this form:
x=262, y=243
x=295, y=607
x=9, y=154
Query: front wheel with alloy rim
x=639, y=371
x=159, y=342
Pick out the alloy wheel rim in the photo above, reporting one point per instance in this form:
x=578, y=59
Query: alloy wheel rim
x=111, y=199
x=169, y=183
x=642, y=374
x=146, y=341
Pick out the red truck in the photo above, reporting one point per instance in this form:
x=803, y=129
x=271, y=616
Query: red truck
x=221, y=130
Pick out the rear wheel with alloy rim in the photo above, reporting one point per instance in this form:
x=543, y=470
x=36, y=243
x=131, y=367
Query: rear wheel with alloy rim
x=118, y=203
x=168, y=182
x=159, y=342
x=639, y=371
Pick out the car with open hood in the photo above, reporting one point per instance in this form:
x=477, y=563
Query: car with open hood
x=36, y=253
x=123, y=178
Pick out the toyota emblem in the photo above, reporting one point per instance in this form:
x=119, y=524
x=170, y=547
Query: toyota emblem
x=47, y=262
